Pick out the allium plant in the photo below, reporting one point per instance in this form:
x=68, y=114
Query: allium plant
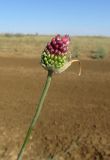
x=54, y=59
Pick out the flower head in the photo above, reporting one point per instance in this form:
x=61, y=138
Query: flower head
x=54, y=55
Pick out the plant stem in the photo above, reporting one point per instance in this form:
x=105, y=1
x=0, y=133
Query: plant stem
x=36, y=115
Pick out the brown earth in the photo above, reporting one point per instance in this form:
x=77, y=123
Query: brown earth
x=75, y=121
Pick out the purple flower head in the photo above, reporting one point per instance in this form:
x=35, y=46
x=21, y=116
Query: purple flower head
x=54, y=55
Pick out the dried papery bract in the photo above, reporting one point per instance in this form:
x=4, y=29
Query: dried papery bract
x=54, y=60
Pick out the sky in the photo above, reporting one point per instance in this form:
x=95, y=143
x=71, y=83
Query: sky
x=74, y=17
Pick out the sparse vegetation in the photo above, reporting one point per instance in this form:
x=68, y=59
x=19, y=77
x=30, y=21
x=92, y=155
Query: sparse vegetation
x=32, y=45
x=99, y=53
x=76, y=52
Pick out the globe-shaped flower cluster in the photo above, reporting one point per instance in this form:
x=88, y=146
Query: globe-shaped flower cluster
x=54, y=54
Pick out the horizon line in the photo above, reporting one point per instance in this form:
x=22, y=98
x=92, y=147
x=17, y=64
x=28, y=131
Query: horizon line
x=45, y=34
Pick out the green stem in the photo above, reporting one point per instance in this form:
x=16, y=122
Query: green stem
x=36, y=115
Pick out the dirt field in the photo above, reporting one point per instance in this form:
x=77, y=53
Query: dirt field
x=75, y=120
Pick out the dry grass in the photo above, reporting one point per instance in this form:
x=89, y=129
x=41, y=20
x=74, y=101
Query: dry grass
x=87, y=45
x=33, y=45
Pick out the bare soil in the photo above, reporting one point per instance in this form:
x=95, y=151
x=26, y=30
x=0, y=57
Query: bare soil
x=75, y=121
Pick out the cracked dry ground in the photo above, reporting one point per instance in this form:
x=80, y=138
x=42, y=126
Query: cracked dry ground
x=75, y=121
